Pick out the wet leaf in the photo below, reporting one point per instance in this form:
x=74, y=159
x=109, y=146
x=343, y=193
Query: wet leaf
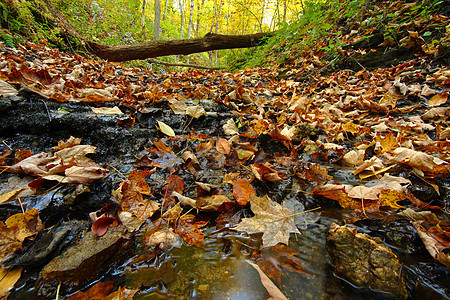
x=100, y=226
x=131, y=200
x=190, y=231
x=265, y=173
x=164, y=239
x=271, y=288
x=8, y=279
x=274, y=259
x=242, y=190
x=122, y=294
x=138, y=178
x=96, y=292
x=274, y=221
x=313, y=172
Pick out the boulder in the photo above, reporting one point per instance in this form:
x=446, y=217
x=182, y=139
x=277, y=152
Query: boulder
x=365, y=261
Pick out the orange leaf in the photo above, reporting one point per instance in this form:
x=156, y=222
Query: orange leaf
x=203, y=147
x=223, y=146
x=242, y=190
x=138, y=178
x=438, y=99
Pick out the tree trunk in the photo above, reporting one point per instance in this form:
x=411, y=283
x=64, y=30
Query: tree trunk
x=157, y=23
x=209, y=42
x=143, y=20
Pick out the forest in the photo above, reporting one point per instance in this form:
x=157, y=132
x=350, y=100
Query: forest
x=197, y=149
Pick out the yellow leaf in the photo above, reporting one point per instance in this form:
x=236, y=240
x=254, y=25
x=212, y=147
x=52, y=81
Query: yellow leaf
x=8, y=279
x=166, y=129
x=107, y=110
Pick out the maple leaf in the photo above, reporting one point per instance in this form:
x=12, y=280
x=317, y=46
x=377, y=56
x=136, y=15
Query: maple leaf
x=276, y=258
x=431, y=165
x=131, y=200
x=190, y=230
x=273, y=220
x=138, y=177
x=313, y=172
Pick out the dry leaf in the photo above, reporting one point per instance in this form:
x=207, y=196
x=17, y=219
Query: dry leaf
x=438, y=99
x=166, y=129
x=107, y=110
x=230, y=128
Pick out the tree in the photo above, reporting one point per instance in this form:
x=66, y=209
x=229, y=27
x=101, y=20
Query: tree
x=157, y=25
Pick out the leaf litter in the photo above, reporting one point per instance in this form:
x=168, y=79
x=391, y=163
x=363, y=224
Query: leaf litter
x=386, y=130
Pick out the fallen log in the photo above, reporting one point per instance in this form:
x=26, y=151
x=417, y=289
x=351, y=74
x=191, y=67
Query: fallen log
x=210, y=41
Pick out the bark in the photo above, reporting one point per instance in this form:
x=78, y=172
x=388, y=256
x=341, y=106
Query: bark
x=157, y=23
x=152, y=49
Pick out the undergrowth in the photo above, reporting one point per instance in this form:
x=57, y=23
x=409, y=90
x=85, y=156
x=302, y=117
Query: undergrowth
x=323, y=28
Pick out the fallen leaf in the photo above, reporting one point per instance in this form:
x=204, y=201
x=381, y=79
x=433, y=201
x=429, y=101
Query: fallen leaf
x=438, y=99
x=265, y=173
x=164, y=239
x=242, y=190
x=230, y=128
x=196, y=111
x=271, y=288
x=100, y=226
x=8, y=279
x=97, y=292
x=354, y=158
x=274, y=221
x=166, y=129
x=107, y=110
x=273, y=260
x=223, y=146
x=7, y=90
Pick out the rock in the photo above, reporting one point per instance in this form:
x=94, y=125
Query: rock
x=87, y=258
x=51, y=242
x=365, y=261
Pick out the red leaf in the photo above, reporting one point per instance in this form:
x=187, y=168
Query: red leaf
x=101, y=225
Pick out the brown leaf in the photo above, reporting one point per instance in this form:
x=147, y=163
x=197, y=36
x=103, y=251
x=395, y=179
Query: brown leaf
x=265, y=173
x=242, y=190
x=131, y=200
x=190, y=231
x=223, y=146
x=97, y=292
x=313, y=172
x=173, y=183
x=274, y=259
x=204, y=147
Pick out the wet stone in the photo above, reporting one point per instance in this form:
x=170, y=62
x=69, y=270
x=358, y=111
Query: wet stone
x=365, y=261
x=87, y=258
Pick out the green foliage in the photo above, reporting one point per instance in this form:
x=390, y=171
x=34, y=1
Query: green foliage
x=319, y=29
